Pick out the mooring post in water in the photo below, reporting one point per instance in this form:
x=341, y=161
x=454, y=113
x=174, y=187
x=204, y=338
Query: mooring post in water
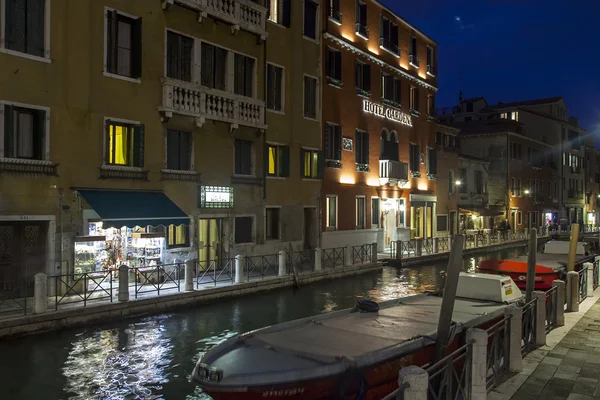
x=573, y=247
x=450, y=288
x=531, y=261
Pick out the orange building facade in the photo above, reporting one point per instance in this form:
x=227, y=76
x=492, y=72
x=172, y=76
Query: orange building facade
x=379, y=85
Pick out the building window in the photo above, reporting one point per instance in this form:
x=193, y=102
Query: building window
x=390, y=86
x=25, y=26
x=360, y=212
x=244, y=230
x=414, y=158
x=361, y=20
x=451, y=182
x=334, y=66
x=431, y=162
x=272, y=215
x=519, y=218
x=361, y=147
x=430, y=61
x=179, y=56
x=213, y=67
x=512, y=115
x=310, y=19
x=413, y=58
x=442, y=223
x=516, y=150
x=333, y=142
x=178, y=236
x=414, y=99
x=479, y=186
x=375, y=202
x=278, y=161
x=275, y=84
x=334, y=11
x=244, y=75
x=331, y=209
x=463, y=180
x=311, y=164
x=513, y=187
x=179, y=150
x=310, y=97
x=519, y=187
x=124, y=45
x=124, y=144
x=280, y=11
x=244, y=150
x=389, y=36
x=431, y=105
x=363, y=78
x=24, y=133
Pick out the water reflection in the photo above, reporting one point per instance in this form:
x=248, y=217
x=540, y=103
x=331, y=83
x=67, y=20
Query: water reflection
x=152, y=358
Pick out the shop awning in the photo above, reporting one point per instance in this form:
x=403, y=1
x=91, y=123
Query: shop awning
x=130, y=208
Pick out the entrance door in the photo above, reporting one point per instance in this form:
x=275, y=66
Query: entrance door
x=310, y=221
x=210, y=236
x=22, y=255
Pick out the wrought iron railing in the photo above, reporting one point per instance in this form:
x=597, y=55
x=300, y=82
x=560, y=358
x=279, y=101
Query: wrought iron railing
x=82, y=288
x=528, y=329
x=408, y=249
x=159, y=278
x=16, y=296
x=332, y=258
x=427, y=246
x=361, y=254
x=551, y=308
x=583, y=292
x=261, y=266
x=443, y=244
x=498, y=352
x=303, y=261
x=450, y=378
x=211, y=272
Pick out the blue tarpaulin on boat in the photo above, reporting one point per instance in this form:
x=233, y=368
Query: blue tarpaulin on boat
x=131, y=208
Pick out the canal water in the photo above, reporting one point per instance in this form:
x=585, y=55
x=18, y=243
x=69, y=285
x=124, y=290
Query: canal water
x=152, y=357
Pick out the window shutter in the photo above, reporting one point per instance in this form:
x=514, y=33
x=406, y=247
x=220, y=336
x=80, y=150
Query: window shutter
x=287, y=12
x=137, y=48
x=238, y=83
x=394, y=34
x=357, y=145
x=302, y=156
x=338, y=65
x=278, y=85
x=15, y=28
x=358, y=71
x=172, y=147
x=185, y=150
x=328, y=138
x=366, y=150
x=207, y=65
x=266, y=160
x=358, y=11
x=338, y=143
x=249, y=76
x=185, y=59
x=285, y=160
x=270, y=87
x=172, y=55
x=39, y=134
x=9, y=130
x=111, y=45
x=320, y=165
x=107, y=141
x=397, y=90
x=35, y=27
x=138, y=146
x=367, y=77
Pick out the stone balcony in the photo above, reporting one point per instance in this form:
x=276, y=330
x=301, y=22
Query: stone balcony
x=392, y=172
x=203, y=104
x=240, y=14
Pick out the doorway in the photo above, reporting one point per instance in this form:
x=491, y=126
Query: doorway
x=310, y=222
x=210, y=237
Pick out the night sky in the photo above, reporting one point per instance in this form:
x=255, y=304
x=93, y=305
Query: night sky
x=511, y=50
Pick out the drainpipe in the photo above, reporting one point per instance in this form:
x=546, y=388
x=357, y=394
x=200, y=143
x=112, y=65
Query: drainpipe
x=264, y=135
x=61, y=192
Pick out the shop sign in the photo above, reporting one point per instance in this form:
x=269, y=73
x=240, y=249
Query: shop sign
x=386, y=112
x=216, y=197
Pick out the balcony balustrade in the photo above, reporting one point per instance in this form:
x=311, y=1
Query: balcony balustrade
x=392, y=172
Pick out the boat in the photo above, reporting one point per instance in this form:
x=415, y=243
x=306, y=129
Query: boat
x=550, y=265
x=349, y=354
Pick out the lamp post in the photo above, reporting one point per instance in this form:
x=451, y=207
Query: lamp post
x=457, y=183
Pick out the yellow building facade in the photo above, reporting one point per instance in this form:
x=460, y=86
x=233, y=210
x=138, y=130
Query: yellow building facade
x=130, y=126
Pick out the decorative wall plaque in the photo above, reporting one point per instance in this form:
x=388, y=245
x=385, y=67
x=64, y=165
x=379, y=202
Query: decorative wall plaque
x=347, y=144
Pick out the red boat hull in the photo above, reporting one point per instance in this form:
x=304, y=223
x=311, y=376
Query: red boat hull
x=517, y=270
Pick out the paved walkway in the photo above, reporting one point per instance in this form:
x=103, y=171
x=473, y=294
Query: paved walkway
x=568, y=367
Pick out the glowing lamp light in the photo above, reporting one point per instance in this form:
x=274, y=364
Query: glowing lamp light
x=474, y=217
x=348, y=37
x=458, y=183
x=422, y=186
x=347, y=180
x=527, y=192
x=373, y=182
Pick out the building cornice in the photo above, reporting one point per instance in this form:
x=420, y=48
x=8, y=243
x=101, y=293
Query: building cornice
x=405, y=22
x=343, y=43
x=507, y=133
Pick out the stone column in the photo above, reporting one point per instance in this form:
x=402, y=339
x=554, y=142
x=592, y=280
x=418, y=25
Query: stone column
x=282, y=263
x=40, y=293
x=590, y=278
x=348, y=259
x=124, y=283
x=560, y=302
x=416, y=380
x=190, y=269
x=436, y=245
x=239, y=268
x=318, y=260
x=374, y=253
x=572, y=291
x=479, y=363
x=540, y=318
x=398, y=249
x=515, y=358
x=418, y=247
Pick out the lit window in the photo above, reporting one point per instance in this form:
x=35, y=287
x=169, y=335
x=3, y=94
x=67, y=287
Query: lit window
x=331, y=209
x=125, y=144
x=311, y=164
x=278, y=161
x=177, y=236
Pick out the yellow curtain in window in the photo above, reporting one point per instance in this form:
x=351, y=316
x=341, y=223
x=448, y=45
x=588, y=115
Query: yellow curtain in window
x=272, y=160
x=307, y=158
x=315, y=164
x=118, y=140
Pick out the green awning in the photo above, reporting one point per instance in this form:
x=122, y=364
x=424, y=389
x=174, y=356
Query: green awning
x=131, y=208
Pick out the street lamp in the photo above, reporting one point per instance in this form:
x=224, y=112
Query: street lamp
x=457, y=183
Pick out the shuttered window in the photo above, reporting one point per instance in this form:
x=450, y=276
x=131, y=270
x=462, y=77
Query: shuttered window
x=124, y=144
x=278, y=161
x=361, y=148
x=310, y=97
x=279, y=11
x=431, y=161
x=244, y=75
x=179, y=150
x=334, y=64
x=25, y=26
x=363, y=77
x=179, y=56
x=391, y=88
x=275, y=84
x=243, y=157
x=213, y=67
x=124, y=45
x=24, y=133
x=333, y=142
x=310, y=19
x=414, y=157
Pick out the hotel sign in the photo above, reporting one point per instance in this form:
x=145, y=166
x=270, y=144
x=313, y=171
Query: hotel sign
x=386, y=112
x=216, y=197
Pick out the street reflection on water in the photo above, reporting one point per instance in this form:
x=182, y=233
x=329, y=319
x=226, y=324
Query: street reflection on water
x=152, y=357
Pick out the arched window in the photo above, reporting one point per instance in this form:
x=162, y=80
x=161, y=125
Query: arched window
x=394, y=137
x=389, y=145
x=451, y=182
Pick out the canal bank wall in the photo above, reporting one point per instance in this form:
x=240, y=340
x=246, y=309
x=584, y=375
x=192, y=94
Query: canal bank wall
x=105, y=311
